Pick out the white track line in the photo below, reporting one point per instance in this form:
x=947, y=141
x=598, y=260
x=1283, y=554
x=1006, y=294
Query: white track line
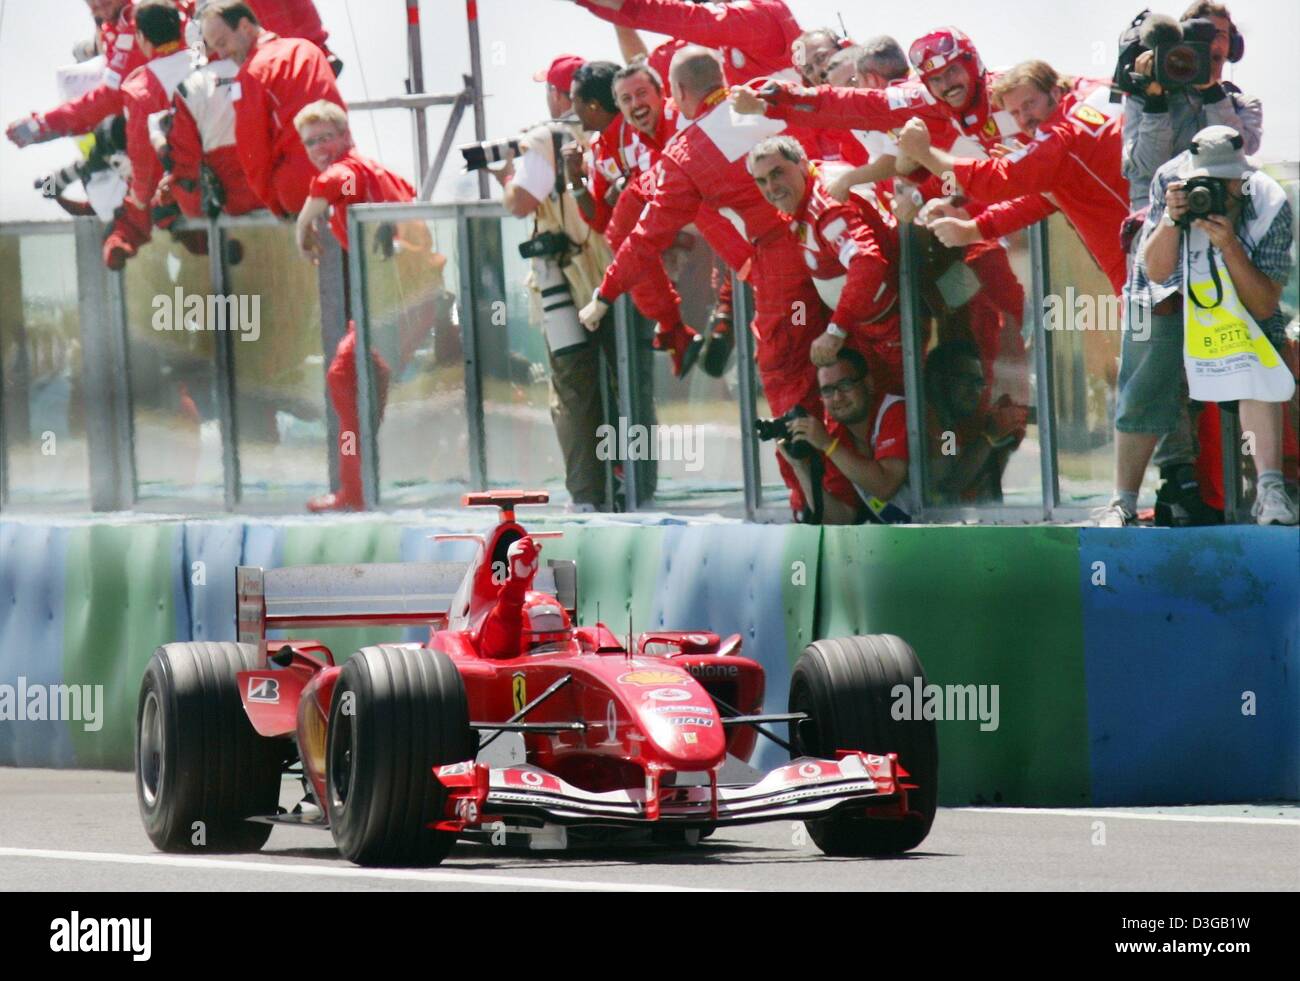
x=1129, y=815
x=345, y=872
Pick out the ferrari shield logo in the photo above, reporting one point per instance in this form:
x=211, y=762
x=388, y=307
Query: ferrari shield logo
x=519, y=689
x=1090, y=115
x=991, y=127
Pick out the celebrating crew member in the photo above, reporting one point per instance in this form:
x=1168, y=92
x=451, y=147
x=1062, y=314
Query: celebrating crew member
x=146, y=91
x=277, y=78
x=620, y=168
x=204, y=174
x=849, y=250
x=1074, y=157
x=753, y=36
x=115, y=30
x=705, y=165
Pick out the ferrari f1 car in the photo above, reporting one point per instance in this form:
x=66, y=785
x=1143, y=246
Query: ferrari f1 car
x=512, y=724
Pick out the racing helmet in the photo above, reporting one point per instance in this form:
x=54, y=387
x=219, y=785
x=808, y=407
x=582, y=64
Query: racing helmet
x=546, y=625
x=931, y=53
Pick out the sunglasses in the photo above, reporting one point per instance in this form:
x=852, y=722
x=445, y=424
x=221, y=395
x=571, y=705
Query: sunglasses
x=930, y=53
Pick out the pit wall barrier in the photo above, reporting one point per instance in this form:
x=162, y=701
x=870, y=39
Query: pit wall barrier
x=1132, y=667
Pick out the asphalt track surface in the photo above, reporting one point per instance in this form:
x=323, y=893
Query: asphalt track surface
x=80, y=831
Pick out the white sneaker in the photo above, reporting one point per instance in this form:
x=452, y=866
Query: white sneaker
x=1113, y=515
x=1273, y=506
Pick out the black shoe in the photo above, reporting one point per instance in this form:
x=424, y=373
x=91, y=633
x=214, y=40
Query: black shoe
x=1178, y=500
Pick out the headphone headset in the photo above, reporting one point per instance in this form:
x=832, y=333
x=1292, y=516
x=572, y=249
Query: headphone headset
x=1236, y=43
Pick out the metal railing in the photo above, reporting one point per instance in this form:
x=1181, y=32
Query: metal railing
x=101, y=403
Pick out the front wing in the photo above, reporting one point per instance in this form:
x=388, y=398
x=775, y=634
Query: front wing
x=805, y=788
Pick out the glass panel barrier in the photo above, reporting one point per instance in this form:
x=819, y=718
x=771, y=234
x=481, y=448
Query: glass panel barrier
x=521, y=446
x=1086, y=323
x=170, y=342
x=41, y=404
x=978, y=401
x=704, y=470
x=417, y=362
x=279, y=369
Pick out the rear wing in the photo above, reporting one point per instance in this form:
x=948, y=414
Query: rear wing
x=381, y=594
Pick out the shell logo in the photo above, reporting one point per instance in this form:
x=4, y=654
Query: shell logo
x=652, y=677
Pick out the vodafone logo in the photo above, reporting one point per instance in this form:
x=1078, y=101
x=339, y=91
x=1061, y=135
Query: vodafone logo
x=810, y=770
x=668, y=695
x=532, y=779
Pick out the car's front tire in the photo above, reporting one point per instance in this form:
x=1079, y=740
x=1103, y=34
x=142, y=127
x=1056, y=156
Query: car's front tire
x=396, y=713
x=845, y=686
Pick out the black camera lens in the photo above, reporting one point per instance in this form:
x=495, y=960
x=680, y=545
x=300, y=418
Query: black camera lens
x=1181, y=64
x=1200, y=200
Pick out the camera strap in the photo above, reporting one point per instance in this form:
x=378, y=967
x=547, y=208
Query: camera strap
x=1214, y=273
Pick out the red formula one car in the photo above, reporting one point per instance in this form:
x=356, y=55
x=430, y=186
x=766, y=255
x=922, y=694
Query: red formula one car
x=511, y=724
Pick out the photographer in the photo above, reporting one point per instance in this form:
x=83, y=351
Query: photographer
x=568, y=259
x=1221, y=233
x=865, y=438
x=1159, y=123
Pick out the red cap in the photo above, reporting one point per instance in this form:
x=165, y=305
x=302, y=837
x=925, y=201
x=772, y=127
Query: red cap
x=560, y=73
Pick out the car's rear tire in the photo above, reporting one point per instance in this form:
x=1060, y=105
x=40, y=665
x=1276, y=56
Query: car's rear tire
x=845, y=686
x=396, y=713
x=201, y=770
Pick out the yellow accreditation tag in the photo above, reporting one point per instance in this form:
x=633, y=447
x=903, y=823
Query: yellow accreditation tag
x=1220, y=332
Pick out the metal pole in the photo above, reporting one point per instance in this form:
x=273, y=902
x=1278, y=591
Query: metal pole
x=913, y=351
x=331, y=285
x=469, y=307
x=224, y=353
x=746, y=381
x=1044, y=369
x=1229, y=441
x=626, y=395
x=415, y=84
x=476, y=72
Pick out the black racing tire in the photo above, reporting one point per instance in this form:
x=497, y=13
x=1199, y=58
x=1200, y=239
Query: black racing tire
x=408, y=714
x=845, y=686
x=201, y=770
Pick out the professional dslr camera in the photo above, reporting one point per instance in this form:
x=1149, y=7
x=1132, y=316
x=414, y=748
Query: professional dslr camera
x=1205, y=196
x=779, y=429
x=1182, y=53
x=546, y=245
x=480, y=155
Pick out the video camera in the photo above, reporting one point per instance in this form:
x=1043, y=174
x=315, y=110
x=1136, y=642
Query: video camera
x=1181, y=53
x=779, y=429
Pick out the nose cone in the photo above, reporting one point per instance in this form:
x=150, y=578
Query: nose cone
x=682, y=726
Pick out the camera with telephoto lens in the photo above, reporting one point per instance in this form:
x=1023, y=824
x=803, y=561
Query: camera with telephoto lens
x=480, y=155
x=546, y=245
x=779, y=429
x=1205, y=196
